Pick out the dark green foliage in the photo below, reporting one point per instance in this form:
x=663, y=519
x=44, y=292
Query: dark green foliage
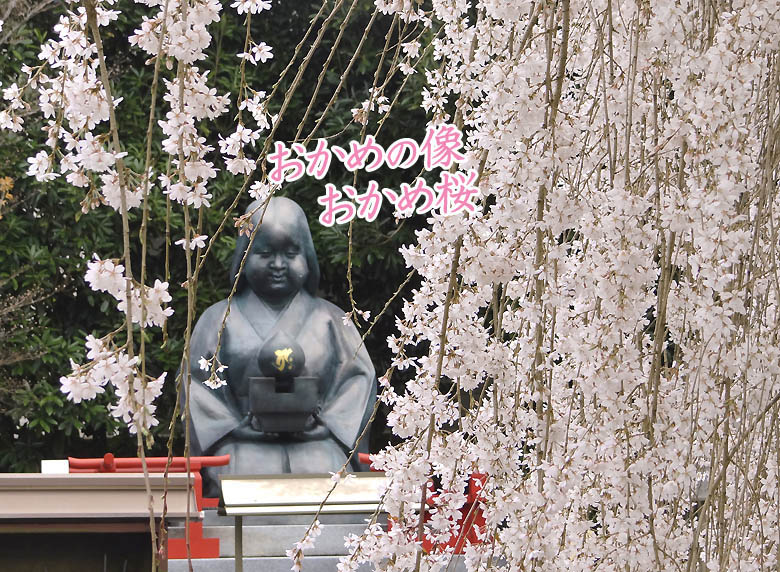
x=45, y=240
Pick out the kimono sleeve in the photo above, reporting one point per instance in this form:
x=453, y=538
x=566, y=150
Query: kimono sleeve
x=213, y=412
x=350, y=400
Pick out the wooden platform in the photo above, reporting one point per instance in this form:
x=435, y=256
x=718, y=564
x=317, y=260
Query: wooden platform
x=76, y=522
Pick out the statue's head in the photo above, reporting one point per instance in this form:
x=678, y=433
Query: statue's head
x=281, y=257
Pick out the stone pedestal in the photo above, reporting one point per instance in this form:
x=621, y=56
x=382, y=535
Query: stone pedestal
x=267, y=538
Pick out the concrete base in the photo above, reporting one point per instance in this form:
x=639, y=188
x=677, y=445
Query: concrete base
x=266, y=540
x=276, y=540
x=278, y=564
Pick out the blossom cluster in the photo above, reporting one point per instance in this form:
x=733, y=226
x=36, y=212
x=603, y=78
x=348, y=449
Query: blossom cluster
x=296, y=552
x=609, y=360
x=376, y=102
x=75, y=91
x=111, y=365
x=82, y=144
x=179, y=31
x=108, y=276
x=215, y=369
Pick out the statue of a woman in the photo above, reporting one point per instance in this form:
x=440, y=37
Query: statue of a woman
x=276, y=294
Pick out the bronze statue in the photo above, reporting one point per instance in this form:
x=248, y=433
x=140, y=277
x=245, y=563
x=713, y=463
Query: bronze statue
x=275, y=309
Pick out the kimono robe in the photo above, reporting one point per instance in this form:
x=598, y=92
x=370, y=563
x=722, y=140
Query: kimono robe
x=347, y=387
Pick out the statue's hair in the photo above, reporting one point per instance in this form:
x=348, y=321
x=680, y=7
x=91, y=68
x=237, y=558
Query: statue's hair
x=279, y=209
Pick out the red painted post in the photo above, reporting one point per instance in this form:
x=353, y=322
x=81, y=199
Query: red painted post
x=108, y=465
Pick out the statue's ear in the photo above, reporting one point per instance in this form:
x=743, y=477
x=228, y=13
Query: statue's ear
x=313, y=279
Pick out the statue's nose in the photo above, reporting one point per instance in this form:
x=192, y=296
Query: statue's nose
x=277, y=261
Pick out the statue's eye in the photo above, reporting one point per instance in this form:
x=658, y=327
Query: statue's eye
x=264, y=253
x=293, y=252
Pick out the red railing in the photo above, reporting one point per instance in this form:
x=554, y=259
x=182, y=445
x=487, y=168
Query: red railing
x=200, y=547
x=471, y=521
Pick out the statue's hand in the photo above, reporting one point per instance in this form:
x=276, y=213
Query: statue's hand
x=315, y=431
x=246, y=431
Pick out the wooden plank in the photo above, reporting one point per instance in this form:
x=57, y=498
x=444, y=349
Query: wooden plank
x=91, y=496
x=69, y=526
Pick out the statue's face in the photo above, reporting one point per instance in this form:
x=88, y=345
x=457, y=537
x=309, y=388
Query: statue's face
x=276, y=266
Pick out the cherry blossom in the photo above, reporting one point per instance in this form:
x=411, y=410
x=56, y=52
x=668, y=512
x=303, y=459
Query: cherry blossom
x=196, y=242
x=260, y=191
x=602, y=331
x=258, y=53
x=251, y=6
x=40, y=167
